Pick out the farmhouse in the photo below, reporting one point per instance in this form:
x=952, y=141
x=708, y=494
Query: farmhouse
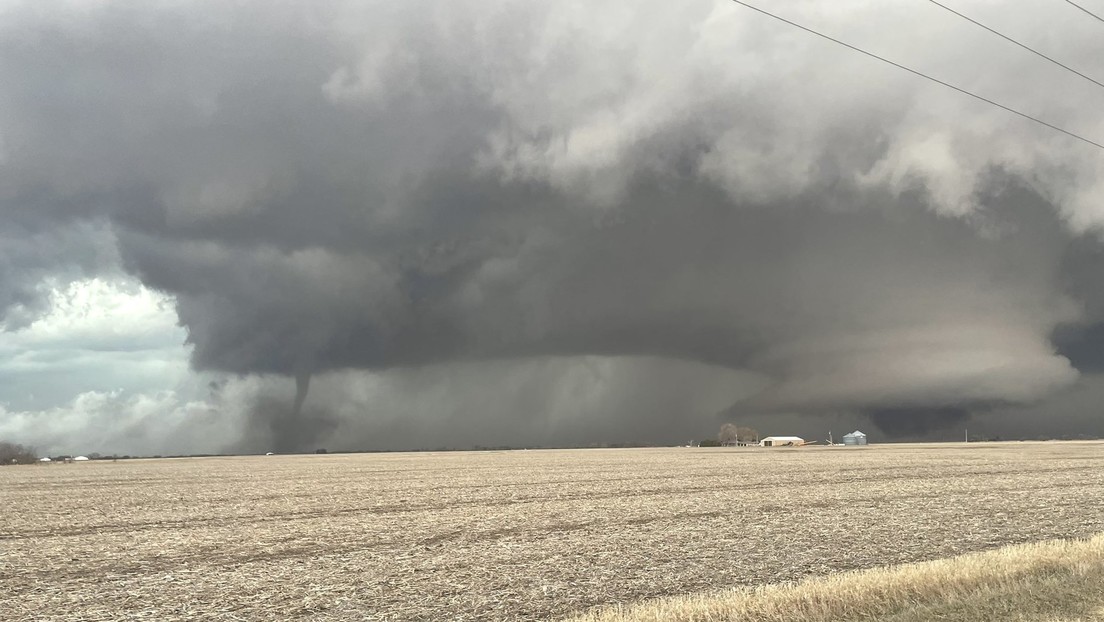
x=782, y=441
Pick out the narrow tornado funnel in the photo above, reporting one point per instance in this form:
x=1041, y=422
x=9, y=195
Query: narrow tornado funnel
x=290, y=432
x=302, y=386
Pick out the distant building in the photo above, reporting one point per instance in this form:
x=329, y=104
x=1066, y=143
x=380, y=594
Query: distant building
x=854, y=438
x=80, y=459
x=782, y=441
x=740, y=443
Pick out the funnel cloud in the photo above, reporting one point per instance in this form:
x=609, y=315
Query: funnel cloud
x=506, y=223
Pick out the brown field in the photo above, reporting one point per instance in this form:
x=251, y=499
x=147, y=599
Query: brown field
x=1054, y=581
x=522, y=535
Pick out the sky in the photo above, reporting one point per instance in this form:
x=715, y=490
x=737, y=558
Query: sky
x=249, y=227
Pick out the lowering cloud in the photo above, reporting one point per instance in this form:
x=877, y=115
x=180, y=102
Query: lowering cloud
x=439, y=201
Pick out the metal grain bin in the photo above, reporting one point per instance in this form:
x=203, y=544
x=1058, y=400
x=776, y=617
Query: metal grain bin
x=854, y=438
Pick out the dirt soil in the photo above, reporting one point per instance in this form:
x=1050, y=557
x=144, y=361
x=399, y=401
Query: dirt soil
x=519, y=535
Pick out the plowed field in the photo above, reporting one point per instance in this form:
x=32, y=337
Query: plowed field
x=521, y=535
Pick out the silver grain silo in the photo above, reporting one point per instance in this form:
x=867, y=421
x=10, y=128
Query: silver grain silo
x=854, y=438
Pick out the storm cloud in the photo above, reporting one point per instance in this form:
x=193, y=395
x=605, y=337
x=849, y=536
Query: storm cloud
x=494, y=197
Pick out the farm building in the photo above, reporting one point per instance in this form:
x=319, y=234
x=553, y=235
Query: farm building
x=740, y=443
x=782, y=441
x=80, y=459
x=854, y=438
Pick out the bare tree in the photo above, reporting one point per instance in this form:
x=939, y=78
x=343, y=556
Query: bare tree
x=729, y=434
x=12, y=453
x=747, y=435
x=732, y=434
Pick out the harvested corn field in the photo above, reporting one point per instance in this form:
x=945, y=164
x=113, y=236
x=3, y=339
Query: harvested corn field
x=1053, y=581
x=522, y=535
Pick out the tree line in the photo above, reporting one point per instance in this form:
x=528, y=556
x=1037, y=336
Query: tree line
x=732, y=434
x=14, y=453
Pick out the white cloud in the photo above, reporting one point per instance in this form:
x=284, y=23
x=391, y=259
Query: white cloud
x=116, y=422
x=100, y=334
x=101, y=313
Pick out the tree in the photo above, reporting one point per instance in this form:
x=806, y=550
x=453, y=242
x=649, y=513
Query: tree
x=728, y=434
x=747, y=435
x=731, y=434
x=12, y=453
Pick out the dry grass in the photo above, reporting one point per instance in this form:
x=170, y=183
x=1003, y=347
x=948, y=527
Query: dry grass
x=1059, y=581
x=508, y=536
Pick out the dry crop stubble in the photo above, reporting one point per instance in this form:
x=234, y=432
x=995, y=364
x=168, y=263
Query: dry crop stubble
x=1054, y=581
x=523, y=535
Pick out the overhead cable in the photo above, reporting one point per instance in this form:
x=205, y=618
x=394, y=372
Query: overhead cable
x=1010, y=39
x=922, y=75
x=1085, y=10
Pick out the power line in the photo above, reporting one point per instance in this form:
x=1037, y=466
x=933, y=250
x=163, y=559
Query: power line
x=1086, y=10
x=1010, y=39
x=922, y=75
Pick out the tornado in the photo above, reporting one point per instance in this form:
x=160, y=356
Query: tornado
x=302, y=386
x=289, y=431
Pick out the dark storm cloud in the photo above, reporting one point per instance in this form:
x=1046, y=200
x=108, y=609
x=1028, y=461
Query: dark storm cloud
x=326, y=187
x=35, y=261
x=910, y=421
x=1083, y=272
x=1082, y=345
